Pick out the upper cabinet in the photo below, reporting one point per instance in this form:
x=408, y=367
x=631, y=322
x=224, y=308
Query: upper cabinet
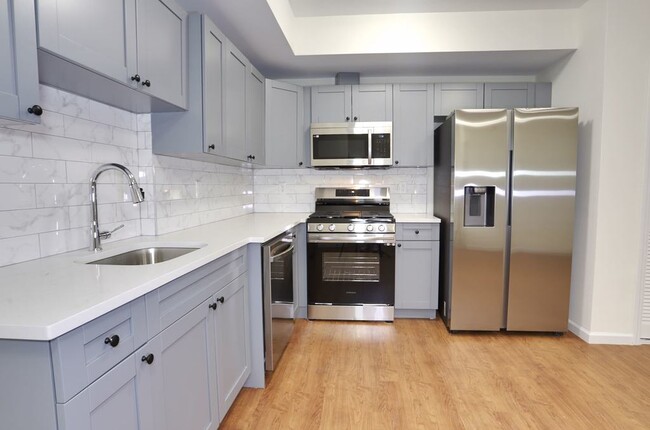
x=450, y=97
x=18, y=69
x=132, y=53
x=284, y=125
x=236, y=74
x=255, y=117
x=413, y=125
x=225, y=118
x=342, y=103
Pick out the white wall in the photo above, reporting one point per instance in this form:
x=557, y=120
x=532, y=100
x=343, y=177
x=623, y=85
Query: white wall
x=607, y=79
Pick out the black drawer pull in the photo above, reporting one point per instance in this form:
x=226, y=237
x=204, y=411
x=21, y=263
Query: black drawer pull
x=147, y=358
x=112, y=341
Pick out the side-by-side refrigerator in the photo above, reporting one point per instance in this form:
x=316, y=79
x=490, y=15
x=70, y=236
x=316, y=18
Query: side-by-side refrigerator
x=505, y=192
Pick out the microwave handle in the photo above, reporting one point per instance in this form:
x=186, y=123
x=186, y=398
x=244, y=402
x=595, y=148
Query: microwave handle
x=369, y=147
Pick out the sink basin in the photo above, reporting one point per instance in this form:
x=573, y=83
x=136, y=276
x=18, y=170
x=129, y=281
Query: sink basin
x=143, y=256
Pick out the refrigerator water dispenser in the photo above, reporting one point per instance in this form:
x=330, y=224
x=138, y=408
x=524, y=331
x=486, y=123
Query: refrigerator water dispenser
x=479, y=206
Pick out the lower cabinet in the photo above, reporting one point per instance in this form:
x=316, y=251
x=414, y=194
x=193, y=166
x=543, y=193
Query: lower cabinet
x=416, y=269
x=233, y=355
x=185, y=376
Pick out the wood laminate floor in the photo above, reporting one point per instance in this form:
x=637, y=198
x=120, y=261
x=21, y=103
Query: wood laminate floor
x=413, y=374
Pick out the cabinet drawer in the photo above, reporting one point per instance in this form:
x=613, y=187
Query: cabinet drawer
x=84, y=354
x=173, y=300
x=418, y=231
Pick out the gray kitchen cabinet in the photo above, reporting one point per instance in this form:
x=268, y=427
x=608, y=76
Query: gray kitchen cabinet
x=255, y=117
x=413, y=125
x=18, y=64
x=342, y=103
x=198, y=132
x=181, y=379
x=117, y=400
x=130, y=53
x=233, y=355
x=284, y=125
x=235, y=77
x=517, y=95
x=162, y=50
x=416, y=269
x=450, y=96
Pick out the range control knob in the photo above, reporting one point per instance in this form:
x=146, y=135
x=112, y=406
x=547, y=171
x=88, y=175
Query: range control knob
x=319, y=227
x=370, y=227
x=351, y=227
x=381, y=228
x=332, y=227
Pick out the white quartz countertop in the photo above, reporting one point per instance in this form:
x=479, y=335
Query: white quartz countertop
x=43, y=299
x=416, y=218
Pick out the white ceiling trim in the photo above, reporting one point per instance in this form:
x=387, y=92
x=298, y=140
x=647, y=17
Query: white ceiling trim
x=482, y=31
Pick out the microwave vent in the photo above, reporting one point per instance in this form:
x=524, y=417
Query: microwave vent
x=347, y=78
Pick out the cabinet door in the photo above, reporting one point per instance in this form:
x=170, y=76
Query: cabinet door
x=450, y=97
x=100, y=37
x=255, y=116
x=372, y=102
x=233, y=341
x=181, y=378
x=509, y=96
x=18, y=67
x=416, y=274
x=117, y=400
x=332, y=103
x=162, y=50
x=284, y=122
x=235, y=106
x=413, y=125
x=214, y=50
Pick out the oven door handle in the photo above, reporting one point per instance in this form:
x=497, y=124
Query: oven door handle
x=365, y=238
x=282, y=254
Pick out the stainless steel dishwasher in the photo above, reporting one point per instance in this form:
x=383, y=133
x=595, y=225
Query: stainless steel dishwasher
x=279, y=305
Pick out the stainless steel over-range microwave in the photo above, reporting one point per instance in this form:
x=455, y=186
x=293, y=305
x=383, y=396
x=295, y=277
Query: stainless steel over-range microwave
x=357, y=144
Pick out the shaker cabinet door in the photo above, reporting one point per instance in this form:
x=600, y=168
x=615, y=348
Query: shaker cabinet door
x=235, y=103
x=255, y=116
x=100, y=36
x=416, y=274
x=450, y=97
x=233, y=341
x=413, y=125
x=162, y=50
x=331, y=103
x=509, y=95
x=214, y=50
x=18, y=65
x=284, y=124
x=372, y=102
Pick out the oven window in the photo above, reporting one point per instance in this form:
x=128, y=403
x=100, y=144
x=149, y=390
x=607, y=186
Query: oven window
x=350, y=267
x=340, y=146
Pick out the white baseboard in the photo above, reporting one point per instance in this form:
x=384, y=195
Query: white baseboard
x=603, y=338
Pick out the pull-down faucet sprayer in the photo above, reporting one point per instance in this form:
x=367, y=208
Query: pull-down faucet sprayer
x=136, y=195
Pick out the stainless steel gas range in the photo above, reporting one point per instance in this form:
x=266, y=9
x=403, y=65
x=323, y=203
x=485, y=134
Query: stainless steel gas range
x=351, y=255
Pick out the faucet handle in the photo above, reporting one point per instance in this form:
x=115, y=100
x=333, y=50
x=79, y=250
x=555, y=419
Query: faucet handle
x=108, y=234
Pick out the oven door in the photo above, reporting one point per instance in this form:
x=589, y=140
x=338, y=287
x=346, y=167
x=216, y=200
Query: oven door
x=351, y=273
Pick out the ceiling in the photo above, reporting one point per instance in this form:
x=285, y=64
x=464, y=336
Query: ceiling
x=252, y=27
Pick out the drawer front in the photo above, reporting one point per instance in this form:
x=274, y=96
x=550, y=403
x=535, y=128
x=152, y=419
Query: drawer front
x=408, y=231
x=173, y=300
x=81, y=356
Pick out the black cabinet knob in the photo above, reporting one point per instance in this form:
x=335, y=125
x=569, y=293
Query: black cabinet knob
x=112, y=341
x=300, y=164
x=221, y=299
x=212, y=306
x=135, y=77
x=417, y=231
x=146, y=83
x=356, y=118
x=396, y=162
x=36, y=110
x=211, y=146
x=148, y=358
x=347, y=118
x=399, y=245
x=253, y=157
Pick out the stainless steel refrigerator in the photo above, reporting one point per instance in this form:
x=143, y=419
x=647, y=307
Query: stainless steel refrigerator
x=505, y=191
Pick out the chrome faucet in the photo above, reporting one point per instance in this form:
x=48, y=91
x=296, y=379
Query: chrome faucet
x=136, y=194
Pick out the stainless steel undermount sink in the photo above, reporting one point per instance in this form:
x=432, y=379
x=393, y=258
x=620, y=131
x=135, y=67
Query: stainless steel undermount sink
x=144, y=256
